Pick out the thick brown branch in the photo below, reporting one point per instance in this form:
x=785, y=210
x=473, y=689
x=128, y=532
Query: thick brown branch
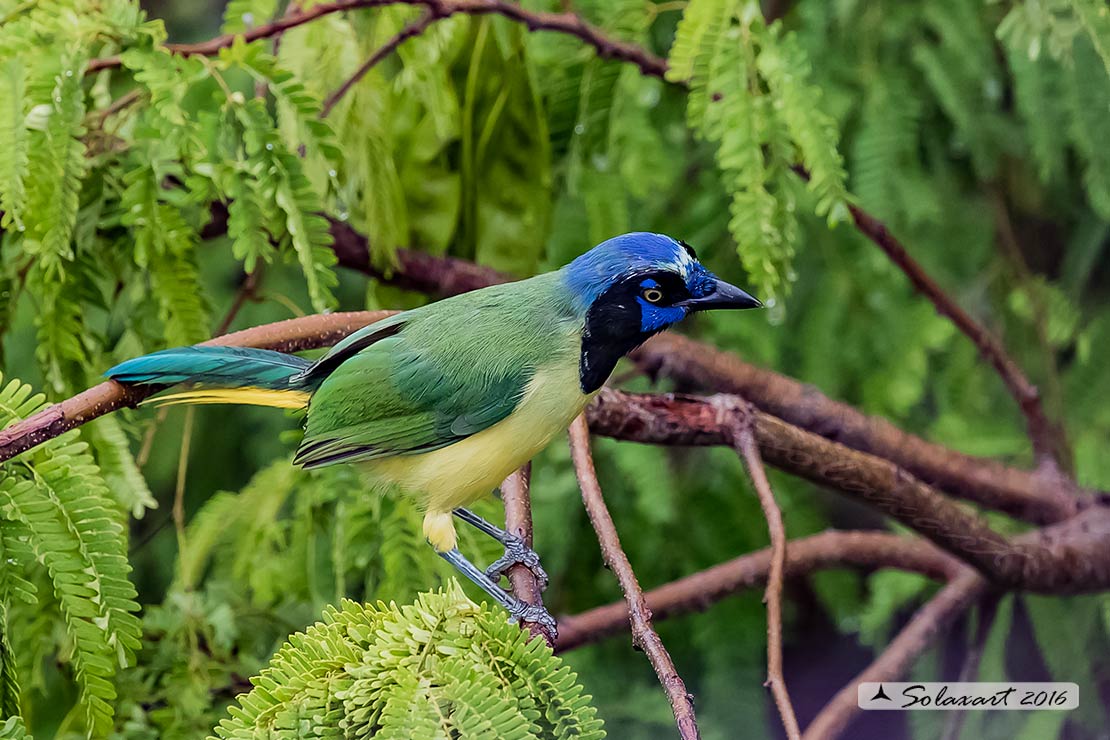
x=569, y=23
x=518, y=521
x=1031, y=496
x=701, y=590
x=941, y=611
x=1077, y=563
x=644, y=636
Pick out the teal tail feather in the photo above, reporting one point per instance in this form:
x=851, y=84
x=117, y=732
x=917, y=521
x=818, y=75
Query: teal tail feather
x=221, y=375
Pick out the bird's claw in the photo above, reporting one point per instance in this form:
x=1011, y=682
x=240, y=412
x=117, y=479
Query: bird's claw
x=517, y=553
x=534, y=614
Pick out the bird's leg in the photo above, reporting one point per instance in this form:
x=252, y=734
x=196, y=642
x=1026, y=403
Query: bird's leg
x=516, y=552
x=519, y=611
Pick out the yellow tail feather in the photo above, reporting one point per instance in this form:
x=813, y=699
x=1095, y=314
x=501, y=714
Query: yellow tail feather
x=245, y=396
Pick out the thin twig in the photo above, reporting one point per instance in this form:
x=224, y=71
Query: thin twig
x=914, y=639
x=699, y=591
x=415, y=28
x=1041, y=430
x=644, y=636
x=1011, y=248
x=120, y=103
x=246, y=292
x=738, y=417
x=179, y=487
x=518, y=521
x=570, y=23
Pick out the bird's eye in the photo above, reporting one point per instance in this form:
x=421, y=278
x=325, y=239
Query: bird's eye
x=652, y=295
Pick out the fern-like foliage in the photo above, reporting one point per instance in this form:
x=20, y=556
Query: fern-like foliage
x=59, y=511
x=1088, y=94
x=441, y=667
x=750, y=96
x=57, y=159
x=122, y=475
x=13, y=167
x=13, y=729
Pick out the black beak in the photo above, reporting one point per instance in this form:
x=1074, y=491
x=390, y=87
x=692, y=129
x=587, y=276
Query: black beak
x=723, y=296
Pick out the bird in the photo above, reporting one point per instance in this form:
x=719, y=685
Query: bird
x=444, y=401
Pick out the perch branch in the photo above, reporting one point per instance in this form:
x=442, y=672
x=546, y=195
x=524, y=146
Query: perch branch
x=518, y=521
x=699, y=591
x=644, y=636
x=737, y=418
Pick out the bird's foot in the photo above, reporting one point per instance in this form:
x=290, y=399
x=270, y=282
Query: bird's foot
x=518, y=553
x=534, y=614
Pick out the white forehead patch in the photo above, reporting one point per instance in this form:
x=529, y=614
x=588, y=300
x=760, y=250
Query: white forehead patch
x=684, y=260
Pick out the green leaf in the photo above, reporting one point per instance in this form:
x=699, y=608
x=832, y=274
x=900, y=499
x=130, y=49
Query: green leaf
x=57, y=496
x=440, y=667
x=14, y=164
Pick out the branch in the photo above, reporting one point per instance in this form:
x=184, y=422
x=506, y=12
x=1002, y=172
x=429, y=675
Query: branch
x=415, y=28
x=1020, y=493
x=738, y=418
x=1007, y=239
x=644, y=636
x=1071, y=557
x=1042, y=432
x=914, y=639
x=1079, y=562
x=699, y=591
x=570, y=23
x=518, y=521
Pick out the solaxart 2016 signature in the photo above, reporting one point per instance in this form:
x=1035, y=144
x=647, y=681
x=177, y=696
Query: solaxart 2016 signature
x=904, y=696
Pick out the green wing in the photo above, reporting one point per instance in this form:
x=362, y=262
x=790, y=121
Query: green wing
x=399, y=396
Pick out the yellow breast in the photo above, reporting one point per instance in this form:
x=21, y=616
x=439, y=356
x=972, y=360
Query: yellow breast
x=462, y=473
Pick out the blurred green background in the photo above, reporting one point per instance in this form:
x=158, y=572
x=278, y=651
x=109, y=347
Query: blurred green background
x=976, y=130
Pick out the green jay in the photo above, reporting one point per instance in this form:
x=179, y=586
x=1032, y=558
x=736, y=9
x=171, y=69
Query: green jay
x=444, y=401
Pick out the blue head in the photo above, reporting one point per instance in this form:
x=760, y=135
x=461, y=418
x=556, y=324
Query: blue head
x=633, y=286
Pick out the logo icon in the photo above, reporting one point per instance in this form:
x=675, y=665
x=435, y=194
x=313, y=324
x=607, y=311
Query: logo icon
x=880, y=694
